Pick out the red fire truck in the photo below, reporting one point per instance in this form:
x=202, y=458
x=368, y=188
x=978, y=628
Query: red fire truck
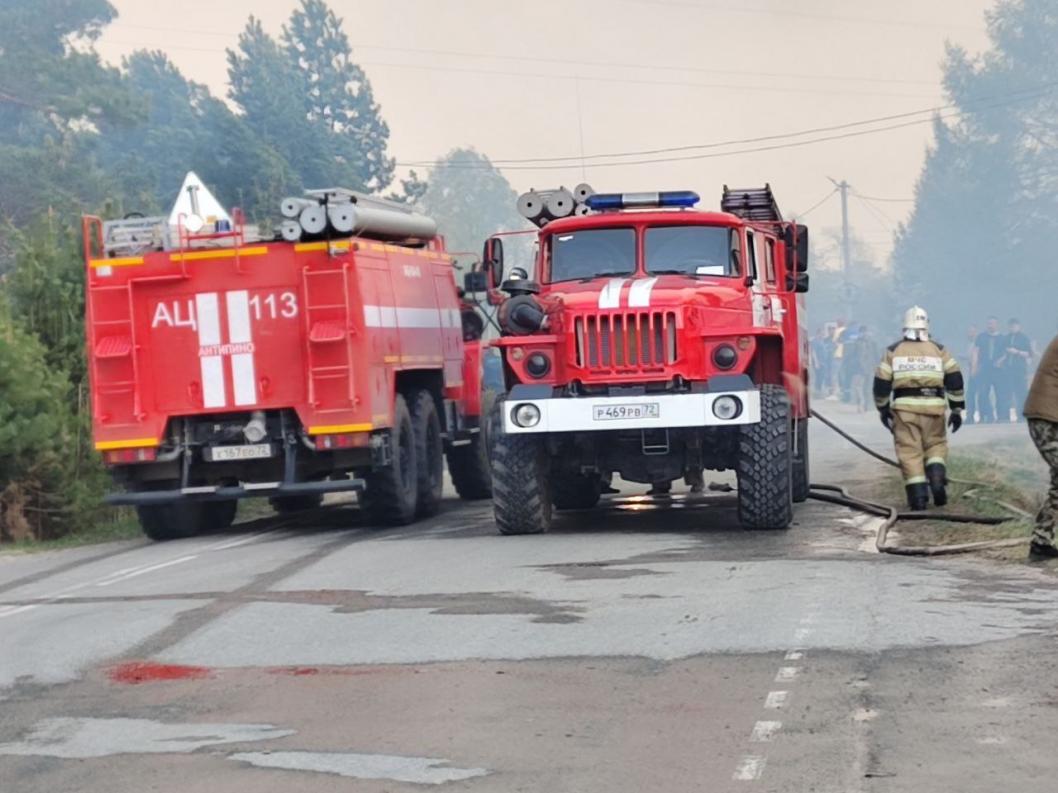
x=654, y=341
x=225, y=365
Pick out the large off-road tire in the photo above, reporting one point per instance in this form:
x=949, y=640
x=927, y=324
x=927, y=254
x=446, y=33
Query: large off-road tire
x=429, y=449
x=801, y=476
x=391, y=494
x=469, y=465
x=765, y=464
x=177, y=521
x=521, y=496
x=289, y=505
x=576, y=491
x=218, y=515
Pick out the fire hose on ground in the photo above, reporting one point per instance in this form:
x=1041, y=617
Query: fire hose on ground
x=833, y=494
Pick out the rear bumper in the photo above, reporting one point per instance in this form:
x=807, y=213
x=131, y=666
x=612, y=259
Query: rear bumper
x=263, y=490
x=648, y=411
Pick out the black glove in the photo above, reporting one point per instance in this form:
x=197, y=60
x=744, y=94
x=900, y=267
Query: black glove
x=886, y=415
x=955, y=421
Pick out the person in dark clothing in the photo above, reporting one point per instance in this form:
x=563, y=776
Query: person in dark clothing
x=966, y=363
x=989, y=351
x=1015, y=372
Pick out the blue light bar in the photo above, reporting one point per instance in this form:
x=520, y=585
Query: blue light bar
x=602, y=202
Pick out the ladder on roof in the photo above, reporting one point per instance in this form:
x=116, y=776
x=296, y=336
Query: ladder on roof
x=756, y=203
x=328, y=323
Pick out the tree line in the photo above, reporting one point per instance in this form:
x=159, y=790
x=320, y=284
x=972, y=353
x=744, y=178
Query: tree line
x=79, y=135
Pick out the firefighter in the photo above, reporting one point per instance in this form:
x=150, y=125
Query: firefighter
x=1041, y=409
x=913, y=385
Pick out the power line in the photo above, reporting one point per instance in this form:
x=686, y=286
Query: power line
x=1031, y=93
x=712, y=155
x=624, y=81
x=889, y=200
x=816, y=205
x=873, y=21
x=570, y=61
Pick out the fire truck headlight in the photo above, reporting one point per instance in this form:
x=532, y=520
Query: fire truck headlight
x=538, y=365
x=725, y=356
x=726, y=408
x=526, y=415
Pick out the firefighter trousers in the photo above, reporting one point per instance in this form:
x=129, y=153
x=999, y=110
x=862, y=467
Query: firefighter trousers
x=1045, y=436
x=921, y=440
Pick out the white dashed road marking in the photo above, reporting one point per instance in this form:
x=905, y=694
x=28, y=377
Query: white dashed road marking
x=750, y=768
x=764, y=731
x=787, y=673
x=776, y=700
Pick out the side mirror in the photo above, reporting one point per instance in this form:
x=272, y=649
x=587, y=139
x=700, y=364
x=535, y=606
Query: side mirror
x=736, y=266
x=796, y=240
x=475, y=281
x=492, y=262
x=797, y=283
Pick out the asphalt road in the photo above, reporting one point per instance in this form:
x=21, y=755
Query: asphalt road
x=646, y=645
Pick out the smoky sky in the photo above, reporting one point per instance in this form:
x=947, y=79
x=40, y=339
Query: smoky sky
x=566, y=78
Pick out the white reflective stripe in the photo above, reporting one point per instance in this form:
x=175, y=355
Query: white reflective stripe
x=419, y=318
x=372, y=317
x=240, y=331
x=639, y=293
x=610, y=295
x=208, y=312
x=212, y=366
x=213, y=381
x=244, y=378
x=407, y=317
x=380, y=317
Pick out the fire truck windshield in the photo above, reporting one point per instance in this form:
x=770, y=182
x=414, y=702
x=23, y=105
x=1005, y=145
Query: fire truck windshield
x=593, y=253
x=690, y=250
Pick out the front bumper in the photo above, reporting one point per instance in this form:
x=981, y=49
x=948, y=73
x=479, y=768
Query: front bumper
x=639, y=412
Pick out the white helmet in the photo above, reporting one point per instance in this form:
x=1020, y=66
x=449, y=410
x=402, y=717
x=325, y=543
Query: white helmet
x=916, y=323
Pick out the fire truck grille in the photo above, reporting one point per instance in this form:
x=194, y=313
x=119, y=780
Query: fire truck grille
x=633, y=341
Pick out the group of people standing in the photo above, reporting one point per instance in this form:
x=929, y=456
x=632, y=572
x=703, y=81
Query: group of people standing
x=997, y=365
x=843, y=356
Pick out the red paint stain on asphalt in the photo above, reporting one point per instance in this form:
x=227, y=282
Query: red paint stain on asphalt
x=137, y=672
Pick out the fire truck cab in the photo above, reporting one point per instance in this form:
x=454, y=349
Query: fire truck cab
x=654, y=341
x=226, y=363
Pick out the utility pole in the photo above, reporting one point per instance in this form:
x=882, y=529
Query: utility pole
x=846, y=255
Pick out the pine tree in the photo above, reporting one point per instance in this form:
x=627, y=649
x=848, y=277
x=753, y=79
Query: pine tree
x=338, y=95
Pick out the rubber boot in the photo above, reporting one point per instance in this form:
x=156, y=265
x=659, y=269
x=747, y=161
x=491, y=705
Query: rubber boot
x=937, y=475
x=917, y=496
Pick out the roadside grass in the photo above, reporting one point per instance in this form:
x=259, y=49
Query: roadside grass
x=118, y=524
x=1008, y=472
x=113, y=526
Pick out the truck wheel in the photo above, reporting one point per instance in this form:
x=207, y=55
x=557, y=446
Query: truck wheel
x=391, y=493
x=801, y=480
x=576, y=491
x=429, y=449
x=521, y=497
x=177, y=521
x=469, y=465
x=292, y=504
x=765, y=465
x=217, y=515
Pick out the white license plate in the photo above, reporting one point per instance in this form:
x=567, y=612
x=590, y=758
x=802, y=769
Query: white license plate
x=255, y=451
x=647, y=410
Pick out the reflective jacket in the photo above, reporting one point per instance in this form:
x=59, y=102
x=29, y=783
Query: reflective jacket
x=919, y=377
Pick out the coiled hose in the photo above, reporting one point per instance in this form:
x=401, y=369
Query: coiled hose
x=833, y=494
